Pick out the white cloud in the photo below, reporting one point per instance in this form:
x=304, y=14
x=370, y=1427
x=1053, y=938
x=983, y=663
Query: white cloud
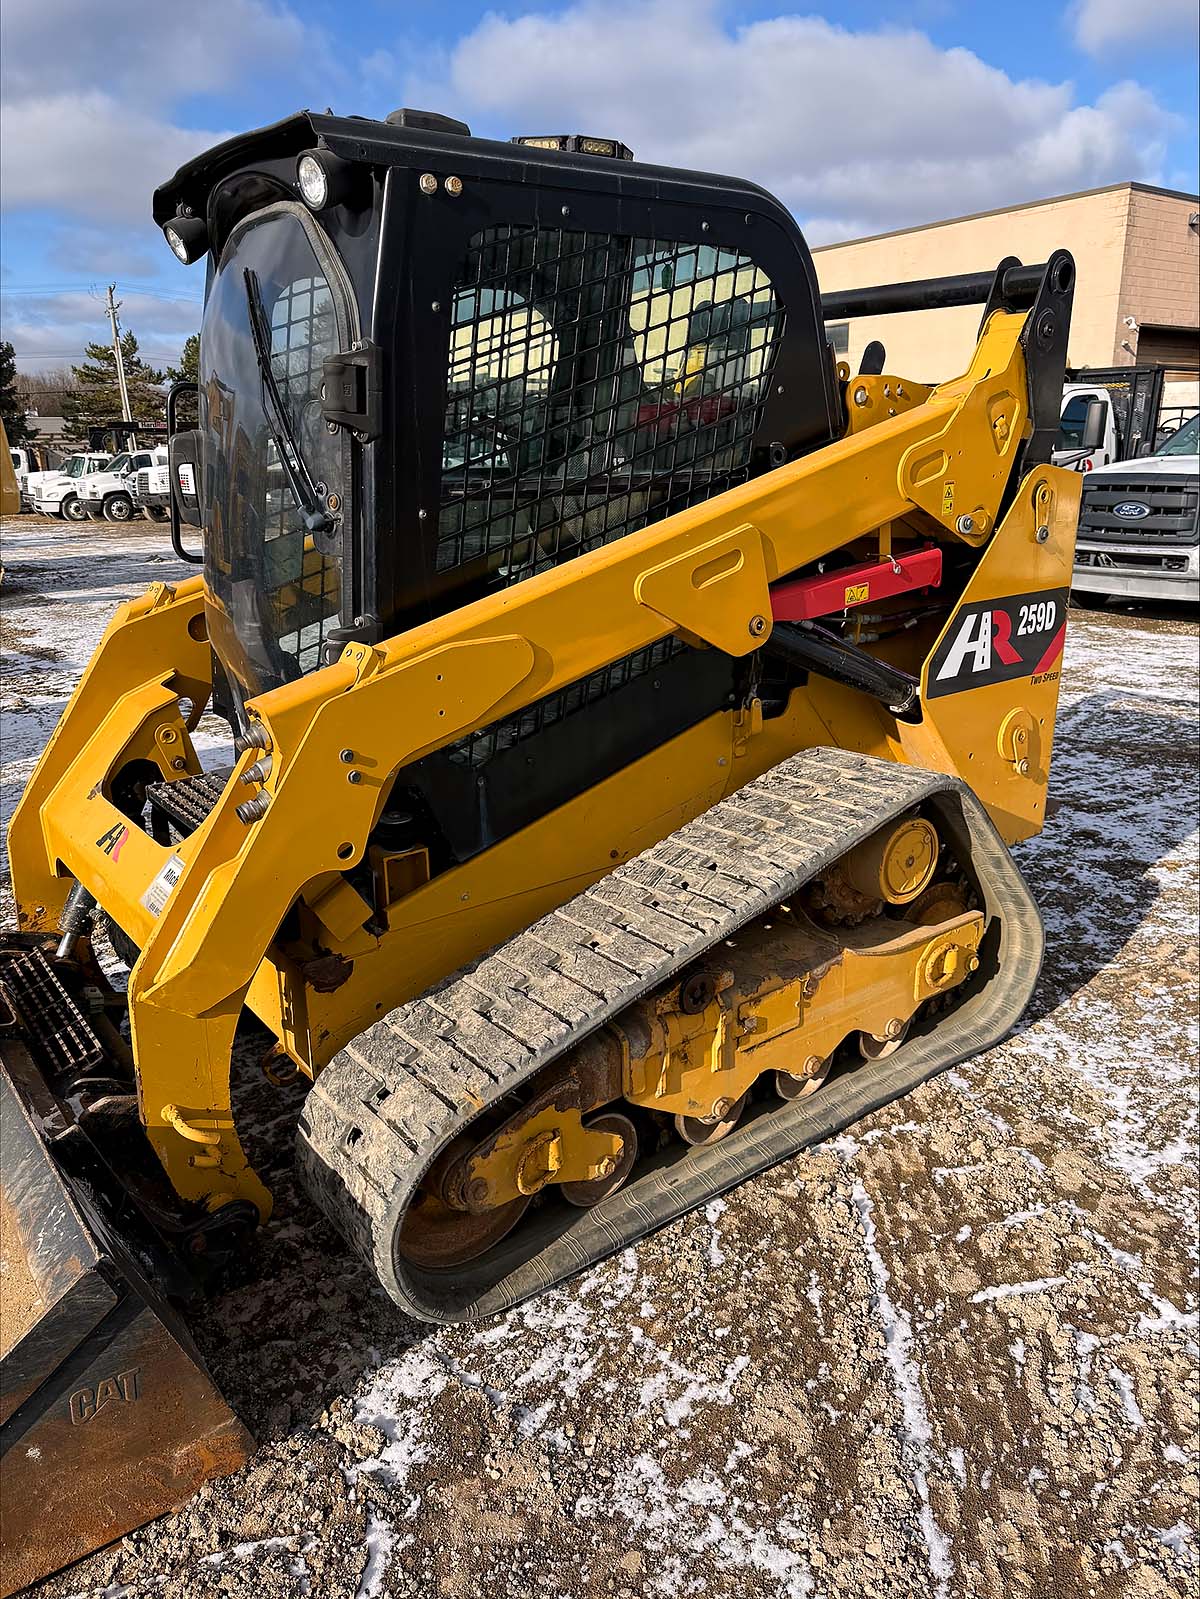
x=1104, y=26
x=855, y=131
x=154, y=51
x=51, y=330
x=91, y=123
x=89, y=153
x=89, y=93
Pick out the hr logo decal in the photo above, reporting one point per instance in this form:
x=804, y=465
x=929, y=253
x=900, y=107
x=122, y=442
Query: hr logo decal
x=980, y=636
x=113, y=842
x=995, y=641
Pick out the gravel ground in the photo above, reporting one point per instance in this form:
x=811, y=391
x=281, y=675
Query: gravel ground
x=953, y=1353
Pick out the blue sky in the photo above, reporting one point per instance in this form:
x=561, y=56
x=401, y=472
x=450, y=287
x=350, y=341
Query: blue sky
x=861, y=116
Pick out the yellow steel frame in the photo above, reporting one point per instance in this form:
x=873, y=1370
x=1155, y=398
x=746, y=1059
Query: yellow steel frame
x=703, y=573
x=772, y=1020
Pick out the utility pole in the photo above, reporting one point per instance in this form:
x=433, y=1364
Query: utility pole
x=113, y=308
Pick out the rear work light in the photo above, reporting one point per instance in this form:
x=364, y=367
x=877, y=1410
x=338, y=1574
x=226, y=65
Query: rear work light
x=577, y=144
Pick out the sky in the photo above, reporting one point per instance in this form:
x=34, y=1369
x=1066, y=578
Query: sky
x=862, y=116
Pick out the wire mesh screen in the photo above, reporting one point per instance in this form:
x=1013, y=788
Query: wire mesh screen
x=478, y=748
x=302, y=584
x=597, y=383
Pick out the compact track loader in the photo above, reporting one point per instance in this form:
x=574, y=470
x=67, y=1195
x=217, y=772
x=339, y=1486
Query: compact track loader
x=628, y=708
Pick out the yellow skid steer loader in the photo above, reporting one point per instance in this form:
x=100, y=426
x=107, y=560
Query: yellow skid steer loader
x=628, y=710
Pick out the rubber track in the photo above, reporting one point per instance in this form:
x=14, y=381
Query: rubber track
x=382, y=1110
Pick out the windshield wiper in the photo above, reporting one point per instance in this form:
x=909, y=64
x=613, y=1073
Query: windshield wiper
x=316, y=517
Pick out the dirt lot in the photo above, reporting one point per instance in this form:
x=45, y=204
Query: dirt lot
x=952, y=1354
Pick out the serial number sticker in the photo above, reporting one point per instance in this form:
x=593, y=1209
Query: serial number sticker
x=156, y=896
x=856, y=593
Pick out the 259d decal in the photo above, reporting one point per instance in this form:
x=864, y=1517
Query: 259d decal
x=995, y=641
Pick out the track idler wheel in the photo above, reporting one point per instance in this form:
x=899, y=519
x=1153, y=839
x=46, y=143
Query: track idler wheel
x=710, y=1129
x=436, y=1237
x=585, y=1194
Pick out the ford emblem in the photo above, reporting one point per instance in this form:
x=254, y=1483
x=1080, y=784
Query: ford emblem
x=1131, y=510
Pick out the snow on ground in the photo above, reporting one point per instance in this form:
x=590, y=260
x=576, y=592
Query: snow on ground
x=952, y=1353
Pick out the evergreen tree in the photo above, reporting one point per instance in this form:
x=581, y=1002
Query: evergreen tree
x=97, y=396
x=12, y=407
x=188, y=371
x=189, y=361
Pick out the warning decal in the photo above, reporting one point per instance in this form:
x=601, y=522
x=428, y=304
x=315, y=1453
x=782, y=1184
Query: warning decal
x=996, y=641
x=856, y=593
x=155, y=897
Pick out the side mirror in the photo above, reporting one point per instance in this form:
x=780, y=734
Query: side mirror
x=1093, y=425
x=183, y=459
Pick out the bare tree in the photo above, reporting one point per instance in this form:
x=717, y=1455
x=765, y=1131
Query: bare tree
x=45, y=392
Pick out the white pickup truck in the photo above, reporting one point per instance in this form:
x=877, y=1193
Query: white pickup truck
x=108, y=494
x=56, y=493
x=1139, y=526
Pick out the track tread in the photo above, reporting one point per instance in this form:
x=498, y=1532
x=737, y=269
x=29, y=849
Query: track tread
x=411, y=1080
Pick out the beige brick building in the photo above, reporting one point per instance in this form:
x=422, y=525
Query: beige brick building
x=1137, y=298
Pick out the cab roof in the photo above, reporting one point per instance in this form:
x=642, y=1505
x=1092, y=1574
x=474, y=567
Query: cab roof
x=364, y=139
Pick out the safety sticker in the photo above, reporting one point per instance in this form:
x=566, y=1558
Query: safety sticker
x=856, y=593
x=156, y=896
x=996, y=641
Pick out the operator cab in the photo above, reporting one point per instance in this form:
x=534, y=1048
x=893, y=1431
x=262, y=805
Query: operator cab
x=432, y=366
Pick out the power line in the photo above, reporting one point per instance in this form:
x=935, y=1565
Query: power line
x=49, y=290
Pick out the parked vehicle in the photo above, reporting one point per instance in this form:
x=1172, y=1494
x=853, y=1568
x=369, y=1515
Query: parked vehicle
x=151, y=488
x=57, y=493
x=27, y=458
x=108, y=494
x=1114, y=414
x=1139, y=526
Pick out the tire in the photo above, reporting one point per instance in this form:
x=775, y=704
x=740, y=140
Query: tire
x=1089, y=600
x=73, y=509
x=155, y=512
x=118, y=508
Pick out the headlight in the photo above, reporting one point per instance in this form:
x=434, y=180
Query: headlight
x=188, y=238
x=314, y=185
x=323, y=179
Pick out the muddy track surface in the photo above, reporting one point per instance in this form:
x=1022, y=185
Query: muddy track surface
x=952, y=1353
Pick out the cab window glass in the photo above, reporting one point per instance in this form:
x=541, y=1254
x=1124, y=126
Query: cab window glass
x=276, y=594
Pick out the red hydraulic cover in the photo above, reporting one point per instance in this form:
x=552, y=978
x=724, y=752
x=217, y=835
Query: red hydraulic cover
x=803, y=598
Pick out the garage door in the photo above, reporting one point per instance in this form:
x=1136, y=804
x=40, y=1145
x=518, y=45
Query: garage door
x=1176, y=349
